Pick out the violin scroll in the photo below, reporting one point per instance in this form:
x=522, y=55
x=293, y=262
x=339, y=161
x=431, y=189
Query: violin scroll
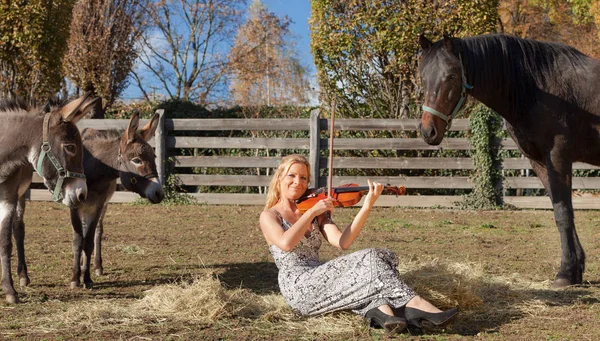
x=398, y=190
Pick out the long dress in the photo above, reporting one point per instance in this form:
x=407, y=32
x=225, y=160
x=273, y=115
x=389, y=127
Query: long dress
x=358, y=281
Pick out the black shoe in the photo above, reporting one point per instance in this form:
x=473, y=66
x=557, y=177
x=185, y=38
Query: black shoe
x=414, y=329
x=415, y=316
x=392, y=324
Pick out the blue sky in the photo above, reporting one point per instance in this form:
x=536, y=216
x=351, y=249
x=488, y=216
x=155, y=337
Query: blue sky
x=297, y=10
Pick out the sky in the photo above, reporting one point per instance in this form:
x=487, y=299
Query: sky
x=297, y=10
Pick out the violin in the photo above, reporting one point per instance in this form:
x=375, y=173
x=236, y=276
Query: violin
x=343, y=196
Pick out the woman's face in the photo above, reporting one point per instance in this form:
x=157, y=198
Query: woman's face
x=294, y=182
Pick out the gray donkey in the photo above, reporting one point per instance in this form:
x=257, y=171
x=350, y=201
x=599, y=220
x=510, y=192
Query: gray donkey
x=50, y=143
x=109, y=155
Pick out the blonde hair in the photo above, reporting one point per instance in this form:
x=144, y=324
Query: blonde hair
x=274, y=193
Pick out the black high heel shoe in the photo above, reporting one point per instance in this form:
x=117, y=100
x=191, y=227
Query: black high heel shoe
x=392, y=324
x=415, y=316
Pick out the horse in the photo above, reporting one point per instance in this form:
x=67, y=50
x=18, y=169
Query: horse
x=50, y=143
x=108, y=155
x=547, y=94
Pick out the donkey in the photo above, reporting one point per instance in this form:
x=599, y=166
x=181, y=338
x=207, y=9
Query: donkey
x=108, y=155
x=50, y=143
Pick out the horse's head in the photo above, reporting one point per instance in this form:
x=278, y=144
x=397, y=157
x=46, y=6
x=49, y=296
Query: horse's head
x=60, y=162
x=137, y=167
x=444, y=86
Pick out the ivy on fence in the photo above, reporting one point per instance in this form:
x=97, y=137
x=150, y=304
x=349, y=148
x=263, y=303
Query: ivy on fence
x=486, y=128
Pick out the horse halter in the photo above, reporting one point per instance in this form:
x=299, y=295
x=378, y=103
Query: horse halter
x=47, y=152
x=463, y=97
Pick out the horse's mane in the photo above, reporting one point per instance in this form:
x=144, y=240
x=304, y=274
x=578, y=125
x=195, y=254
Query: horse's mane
x=516, y=67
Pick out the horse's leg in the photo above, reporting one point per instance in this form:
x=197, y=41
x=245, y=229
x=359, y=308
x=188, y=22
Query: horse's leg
x=556, y=177
x=91, y=217
x=98, y=269
x=19, y=234
x=7, y=214
x=77, y=246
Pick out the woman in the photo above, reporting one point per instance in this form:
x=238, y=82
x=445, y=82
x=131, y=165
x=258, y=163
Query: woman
x=366, y=282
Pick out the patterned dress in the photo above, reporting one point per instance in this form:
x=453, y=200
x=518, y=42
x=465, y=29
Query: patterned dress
x=358, y=281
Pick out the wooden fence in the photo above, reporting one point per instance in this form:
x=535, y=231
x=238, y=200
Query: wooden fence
x=313, y=143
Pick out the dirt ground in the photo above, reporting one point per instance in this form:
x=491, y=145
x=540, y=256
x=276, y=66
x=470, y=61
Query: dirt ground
x=496, y=266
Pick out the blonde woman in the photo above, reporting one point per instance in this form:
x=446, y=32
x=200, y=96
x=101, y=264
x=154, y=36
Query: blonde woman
x=366, y=281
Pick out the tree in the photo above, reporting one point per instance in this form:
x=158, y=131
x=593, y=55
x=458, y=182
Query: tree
x=366, y=52
x=102, y=46
x=265, y=65
x=185, y=46
x=33, y=40
x=574, y=22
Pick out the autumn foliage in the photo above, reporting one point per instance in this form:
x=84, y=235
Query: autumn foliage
x=574, y=23
x=33, y=40
x=366, y=52
x=102, y=46
x=264, y=63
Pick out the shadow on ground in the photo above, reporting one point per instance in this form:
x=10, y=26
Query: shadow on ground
x=260, y=278
x=486, y=305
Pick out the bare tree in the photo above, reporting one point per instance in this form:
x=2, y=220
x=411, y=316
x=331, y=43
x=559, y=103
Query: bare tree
x=102, y=45
x=264, y=62
x=184, y=50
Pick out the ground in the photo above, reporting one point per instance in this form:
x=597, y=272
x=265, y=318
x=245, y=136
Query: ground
x=204, y=273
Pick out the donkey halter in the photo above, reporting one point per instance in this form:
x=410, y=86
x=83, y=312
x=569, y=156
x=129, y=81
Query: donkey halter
x=463, y=96
x=47, y=152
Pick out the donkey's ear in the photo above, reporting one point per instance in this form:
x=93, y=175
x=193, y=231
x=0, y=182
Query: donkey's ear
x=424, y=42
x=148, y=131
x=76, y=109
x=134, y=122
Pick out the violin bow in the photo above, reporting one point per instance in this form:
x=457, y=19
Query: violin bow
x=331, y=132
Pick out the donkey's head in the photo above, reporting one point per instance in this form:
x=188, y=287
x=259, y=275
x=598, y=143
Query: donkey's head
x=60, y=162
x=137, y=161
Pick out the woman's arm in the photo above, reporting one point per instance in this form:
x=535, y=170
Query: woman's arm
x=344, y=240
x=270, y=225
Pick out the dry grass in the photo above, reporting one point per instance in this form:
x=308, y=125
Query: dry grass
x=206, y=301
x=203, y=301
x=201, y=272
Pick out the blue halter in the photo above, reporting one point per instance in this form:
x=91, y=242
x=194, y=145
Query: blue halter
x=461, y=100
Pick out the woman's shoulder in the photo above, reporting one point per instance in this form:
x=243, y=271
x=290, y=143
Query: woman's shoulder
x=270, y=213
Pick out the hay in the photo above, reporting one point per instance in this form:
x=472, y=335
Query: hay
x=205, y=301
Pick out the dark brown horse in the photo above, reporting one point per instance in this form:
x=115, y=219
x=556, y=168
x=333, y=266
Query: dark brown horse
x=49, y=143
x=547, y=93
x=107, y=156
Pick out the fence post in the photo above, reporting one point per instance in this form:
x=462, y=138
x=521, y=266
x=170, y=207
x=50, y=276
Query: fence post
x=159, y=145
x=499, y=180
x=315, y=152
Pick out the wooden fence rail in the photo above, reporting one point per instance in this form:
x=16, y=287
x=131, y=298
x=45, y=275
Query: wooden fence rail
x=173, y=145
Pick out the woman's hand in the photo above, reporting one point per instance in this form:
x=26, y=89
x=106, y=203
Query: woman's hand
x=375, y=190
x=322, y=206
x=346, y=238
